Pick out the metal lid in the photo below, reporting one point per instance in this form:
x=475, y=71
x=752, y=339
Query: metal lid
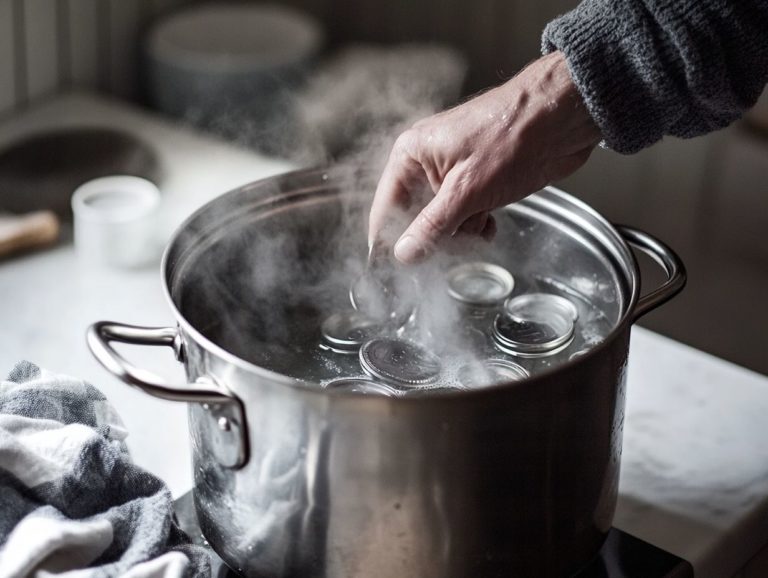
x=399, y=362
x=383, y=297
x=346, y=332
x=480, y=284
x=492, y=371
x=535, y=324
x=532, y=306
x=362, y=384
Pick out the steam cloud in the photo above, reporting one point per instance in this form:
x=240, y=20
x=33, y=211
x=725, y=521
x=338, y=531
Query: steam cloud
x=262, y=288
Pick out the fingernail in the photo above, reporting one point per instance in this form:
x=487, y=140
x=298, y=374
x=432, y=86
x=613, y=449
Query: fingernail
x=408, y=249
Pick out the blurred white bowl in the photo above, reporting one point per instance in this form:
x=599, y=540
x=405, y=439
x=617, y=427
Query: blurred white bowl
x=232, y=38
x=230, y=67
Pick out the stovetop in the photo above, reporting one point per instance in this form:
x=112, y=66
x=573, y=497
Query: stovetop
x=622, y=555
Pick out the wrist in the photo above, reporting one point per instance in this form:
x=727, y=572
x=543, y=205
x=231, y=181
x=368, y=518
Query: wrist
x=566, y=94
x=554, y=102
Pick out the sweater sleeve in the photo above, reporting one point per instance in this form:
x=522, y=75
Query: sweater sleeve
x=650, y=68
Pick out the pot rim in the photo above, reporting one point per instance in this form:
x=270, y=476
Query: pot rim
x=624, y=322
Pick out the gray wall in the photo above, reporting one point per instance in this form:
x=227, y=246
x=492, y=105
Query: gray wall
x=498, y=36
x=50, y=45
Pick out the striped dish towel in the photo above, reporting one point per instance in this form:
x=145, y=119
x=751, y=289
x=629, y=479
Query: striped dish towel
x=72, y=504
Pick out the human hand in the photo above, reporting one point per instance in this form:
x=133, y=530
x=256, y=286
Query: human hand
x=490, y=151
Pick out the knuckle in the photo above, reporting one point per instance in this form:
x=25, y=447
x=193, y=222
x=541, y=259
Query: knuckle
x=464, y=187
x=433, y=223
x=406, y=142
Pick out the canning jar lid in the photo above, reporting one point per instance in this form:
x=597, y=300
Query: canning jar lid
x=361, y=384
x=535, y=324
x=346, y=332
x=480, y=284
x=489, y=372
x=399, y=362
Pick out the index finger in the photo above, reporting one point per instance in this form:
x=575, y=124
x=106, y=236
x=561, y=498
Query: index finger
x=401, y=179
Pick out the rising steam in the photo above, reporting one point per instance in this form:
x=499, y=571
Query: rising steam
x=262, y=286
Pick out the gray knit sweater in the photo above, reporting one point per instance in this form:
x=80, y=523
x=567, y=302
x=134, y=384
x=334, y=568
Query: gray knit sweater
x=650, y=68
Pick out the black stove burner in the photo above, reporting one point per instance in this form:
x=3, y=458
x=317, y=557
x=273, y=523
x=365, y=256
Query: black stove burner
x=622, y=555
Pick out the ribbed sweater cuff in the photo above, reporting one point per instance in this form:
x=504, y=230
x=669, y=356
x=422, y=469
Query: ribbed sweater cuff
x=650, y=68
x=618, y=105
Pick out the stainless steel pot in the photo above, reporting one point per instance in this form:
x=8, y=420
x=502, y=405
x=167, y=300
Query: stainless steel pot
x=292, y=480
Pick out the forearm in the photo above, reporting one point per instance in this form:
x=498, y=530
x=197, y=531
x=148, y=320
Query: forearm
x=650, y=68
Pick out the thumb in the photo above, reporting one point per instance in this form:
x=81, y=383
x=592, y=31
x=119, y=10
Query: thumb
x=440, y=218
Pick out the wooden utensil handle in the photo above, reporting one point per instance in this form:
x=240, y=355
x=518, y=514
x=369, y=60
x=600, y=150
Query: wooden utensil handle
x=19, y=233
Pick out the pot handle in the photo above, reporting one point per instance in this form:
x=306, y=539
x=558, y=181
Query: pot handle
x=103, y=333
x=224, y=408
x=664, y=256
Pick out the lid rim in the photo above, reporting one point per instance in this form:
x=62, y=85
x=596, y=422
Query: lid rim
x=368, y=365
x=496, y=272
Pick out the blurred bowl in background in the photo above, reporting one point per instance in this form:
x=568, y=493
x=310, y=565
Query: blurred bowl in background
x=232, y=68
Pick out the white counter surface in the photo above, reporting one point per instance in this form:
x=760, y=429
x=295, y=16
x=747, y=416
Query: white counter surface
x=694, y=477
x=47, y=299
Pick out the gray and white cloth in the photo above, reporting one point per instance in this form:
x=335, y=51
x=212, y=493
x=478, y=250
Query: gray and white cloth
x=72, y=503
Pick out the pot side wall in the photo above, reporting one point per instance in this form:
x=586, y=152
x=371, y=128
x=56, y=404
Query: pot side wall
x=514, y=481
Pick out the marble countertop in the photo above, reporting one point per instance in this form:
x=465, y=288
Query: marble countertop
x=694, y=478
x=694, y=470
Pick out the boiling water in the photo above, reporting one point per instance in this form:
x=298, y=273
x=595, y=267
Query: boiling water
x=294, y=346
x=590, y=329
x=470, y=342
